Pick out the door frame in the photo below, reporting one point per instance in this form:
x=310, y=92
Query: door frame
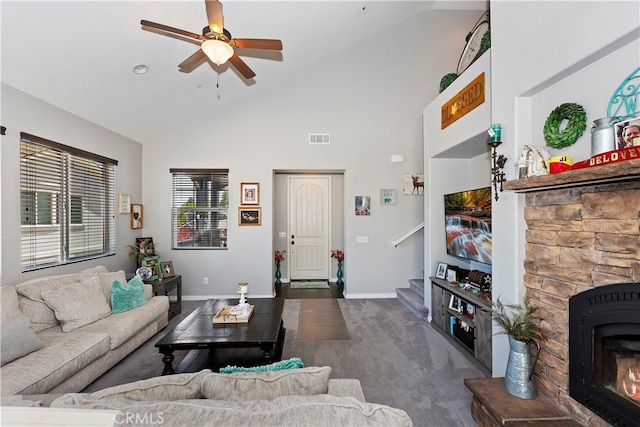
x=280, y=218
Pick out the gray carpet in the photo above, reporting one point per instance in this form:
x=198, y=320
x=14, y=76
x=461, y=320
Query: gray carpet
x=400, y=361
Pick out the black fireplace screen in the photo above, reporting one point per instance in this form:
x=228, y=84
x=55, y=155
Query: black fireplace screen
x=604, y=352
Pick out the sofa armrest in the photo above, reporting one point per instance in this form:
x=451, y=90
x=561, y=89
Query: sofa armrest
x=148, y=291
x=344, y=387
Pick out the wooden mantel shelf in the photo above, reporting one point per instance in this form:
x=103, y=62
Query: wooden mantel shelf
x=628, y=170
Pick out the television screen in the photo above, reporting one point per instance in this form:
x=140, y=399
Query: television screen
x=468, y=224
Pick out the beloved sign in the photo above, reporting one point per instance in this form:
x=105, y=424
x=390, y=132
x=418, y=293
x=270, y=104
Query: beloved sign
x=463, y=102
x=609, y=157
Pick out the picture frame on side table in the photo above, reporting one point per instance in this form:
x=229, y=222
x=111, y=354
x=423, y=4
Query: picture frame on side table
x=124, y=203
x=249, y=193
x=153, y=262
x=249, y=216
x=452, y=275
x=136, y=216
x=167, y=269
x=441, y=271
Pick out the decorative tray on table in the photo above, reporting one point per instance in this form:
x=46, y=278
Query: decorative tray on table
x=233, y=314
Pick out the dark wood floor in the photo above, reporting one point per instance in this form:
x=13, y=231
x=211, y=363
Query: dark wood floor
x=334, y=291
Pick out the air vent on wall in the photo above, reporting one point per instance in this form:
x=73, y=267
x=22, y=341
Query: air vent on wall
x=319, y=138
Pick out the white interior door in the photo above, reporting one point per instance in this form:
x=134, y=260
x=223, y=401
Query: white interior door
x=309, y=227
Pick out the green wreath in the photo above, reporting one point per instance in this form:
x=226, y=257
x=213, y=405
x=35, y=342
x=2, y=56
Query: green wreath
x=575, y=128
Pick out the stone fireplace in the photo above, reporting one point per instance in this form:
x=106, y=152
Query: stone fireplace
x=583, y=232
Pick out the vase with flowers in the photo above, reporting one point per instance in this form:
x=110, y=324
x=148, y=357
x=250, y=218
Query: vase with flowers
x=339, y=256
x=278, y=257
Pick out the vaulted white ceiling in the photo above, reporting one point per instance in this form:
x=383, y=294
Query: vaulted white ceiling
x=79, y=55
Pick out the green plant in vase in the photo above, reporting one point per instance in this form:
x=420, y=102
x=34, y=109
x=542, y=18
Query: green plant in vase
x=278, y=257
x=339, y=256
x=522, y=325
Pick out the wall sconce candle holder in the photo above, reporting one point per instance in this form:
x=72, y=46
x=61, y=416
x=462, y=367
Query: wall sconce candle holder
x=498, y=161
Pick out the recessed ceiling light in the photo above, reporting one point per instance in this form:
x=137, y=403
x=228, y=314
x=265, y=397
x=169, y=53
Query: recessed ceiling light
x=140, y=69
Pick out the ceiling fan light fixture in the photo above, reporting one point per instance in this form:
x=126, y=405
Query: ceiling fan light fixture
x=218, y=51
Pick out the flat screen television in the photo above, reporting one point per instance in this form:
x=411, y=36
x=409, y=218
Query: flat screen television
x=468, y=224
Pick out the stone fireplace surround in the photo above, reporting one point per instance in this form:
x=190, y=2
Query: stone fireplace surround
x=583, y=231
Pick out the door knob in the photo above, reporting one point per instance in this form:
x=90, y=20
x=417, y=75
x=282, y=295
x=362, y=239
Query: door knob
x=293, y=243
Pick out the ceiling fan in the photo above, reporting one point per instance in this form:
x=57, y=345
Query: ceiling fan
x=217, y=43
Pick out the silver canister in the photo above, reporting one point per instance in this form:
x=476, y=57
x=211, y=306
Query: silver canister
x=603, y=135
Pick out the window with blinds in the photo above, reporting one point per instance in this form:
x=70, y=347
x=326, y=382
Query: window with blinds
x=200, y=208
x=67, y=204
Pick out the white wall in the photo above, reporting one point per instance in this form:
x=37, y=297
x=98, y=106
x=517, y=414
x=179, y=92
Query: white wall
x=370, y=103
x=24, y=113
x=544, y=54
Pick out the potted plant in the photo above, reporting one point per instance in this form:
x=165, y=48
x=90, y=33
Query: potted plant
x=522, y=325
x=138, y=252
x=339, y=256
x=278, y=257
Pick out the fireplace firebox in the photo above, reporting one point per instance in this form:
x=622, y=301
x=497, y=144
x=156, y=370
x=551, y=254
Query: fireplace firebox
x=604, y=352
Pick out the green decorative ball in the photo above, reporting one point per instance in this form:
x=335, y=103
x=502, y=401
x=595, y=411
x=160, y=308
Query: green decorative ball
x=447, y=80
x=577, y=118
x=485, y=43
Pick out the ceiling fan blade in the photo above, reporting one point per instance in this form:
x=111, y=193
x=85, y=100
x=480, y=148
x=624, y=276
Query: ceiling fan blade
x=214, y=15
x=163, y=27
x=242, y=67
x=192, y=62
x=270, y=44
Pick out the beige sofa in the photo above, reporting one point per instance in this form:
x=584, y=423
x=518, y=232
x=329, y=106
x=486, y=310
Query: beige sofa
x=293, y=397
x=76, y=335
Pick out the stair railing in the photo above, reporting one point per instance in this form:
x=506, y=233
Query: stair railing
x=408, y=234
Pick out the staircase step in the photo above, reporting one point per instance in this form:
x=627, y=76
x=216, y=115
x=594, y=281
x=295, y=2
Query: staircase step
x=417, y=285
x=414, y=302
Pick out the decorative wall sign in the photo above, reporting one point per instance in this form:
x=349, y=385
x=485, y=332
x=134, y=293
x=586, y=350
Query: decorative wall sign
x=136, y=216
x=413, y=183
x=625, y=101
x=463, y=102
x=124, y=203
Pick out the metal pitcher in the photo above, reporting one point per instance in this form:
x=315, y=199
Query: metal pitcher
x=603, y=135
x=519, y=376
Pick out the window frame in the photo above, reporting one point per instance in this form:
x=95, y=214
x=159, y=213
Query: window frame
x=213, y=208
x=69, y=178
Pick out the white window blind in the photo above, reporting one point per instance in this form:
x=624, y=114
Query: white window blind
x=200, y=208
x=67, y=204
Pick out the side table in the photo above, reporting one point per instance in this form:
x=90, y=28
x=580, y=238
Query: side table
x=170, y=284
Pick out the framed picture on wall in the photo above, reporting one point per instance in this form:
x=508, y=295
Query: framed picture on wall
x=136, y=216
x=249, y=216
x=249, y=193
x=124, y=203
x=388, y=196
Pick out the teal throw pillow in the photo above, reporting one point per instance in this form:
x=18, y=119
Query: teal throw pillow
x=127, y=297
x=293, y=363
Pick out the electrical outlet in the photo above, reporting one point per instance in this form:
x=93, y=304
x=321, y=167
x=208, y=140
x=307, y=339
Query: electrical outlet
x=206, y=281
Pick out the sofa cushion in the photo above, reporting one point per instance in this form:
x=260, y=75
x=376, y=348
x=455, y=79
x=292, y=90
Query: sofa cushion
x=127, y=297
x=10, y=308
x=266, y=385
x=105, y=280
x=123, y=326
x=32, y=304
x=318, y=410
x=63, y=355
x=78, y=304
x=293, y=363
x=169, y=387
x=17, y=339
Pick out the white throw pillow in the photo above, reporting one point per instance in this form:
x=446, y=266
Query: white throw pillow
x=79, y=304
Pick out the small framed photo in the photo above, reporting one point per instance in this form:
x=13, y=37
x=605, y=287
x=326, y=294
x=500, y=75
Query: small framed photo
x=249, y=193
x=136, y=216
x=153, y=262
x=441, y=271
x=363, y=205
x=124, y=203
x=452, y=275
x=249, y=216
x=454, y=303
x=413, y=184
x=627, y=133
x=388, y=196
x=167, y=269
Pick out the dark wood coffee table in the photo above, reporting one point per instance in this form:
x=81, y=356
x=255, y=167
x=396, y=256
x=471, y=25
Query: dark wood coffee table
x=264, y=331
